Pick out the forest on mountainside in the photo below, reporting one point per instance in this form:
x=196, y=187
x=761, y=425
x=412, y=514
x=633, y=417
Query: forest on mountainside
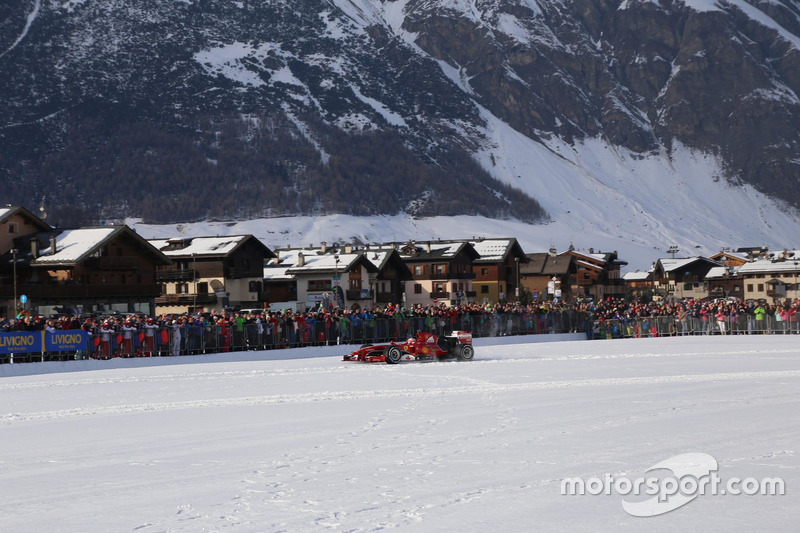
x=226, y=169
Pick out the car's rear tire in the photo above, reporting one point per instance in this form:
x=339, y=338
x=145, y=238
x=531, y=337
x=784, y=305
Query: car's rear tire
x=466, y=353
x=393, y=355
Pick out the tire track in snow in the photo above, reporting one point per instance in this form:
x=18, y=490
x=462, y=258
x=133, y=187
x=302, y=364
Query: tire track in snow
x=37, y=4
x=353, y=367
x=176, y=376
x=378, y=394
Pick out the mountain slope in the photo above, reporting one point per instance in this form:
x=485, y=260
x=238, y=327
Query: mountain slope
x=190, y=110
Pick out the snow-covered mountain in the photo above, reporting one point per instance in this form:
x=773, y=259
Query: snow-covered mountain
x=661, y=122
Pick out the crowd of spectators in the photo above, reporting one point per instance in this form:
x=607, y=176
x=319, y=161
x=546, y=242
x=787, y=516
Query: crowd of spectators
x=127, y=335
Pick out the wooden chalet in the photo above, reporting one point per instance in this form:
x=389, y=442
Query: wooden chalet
x=442, y=272
x=598, y=275
x=497, y=270
x=97, y=269
x=549, y=275
x=212, y=273
x=678, y=278
x=329, y=279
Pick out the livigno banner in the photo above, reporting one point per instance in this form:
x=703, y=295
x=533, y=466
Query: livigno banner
x=38, y=341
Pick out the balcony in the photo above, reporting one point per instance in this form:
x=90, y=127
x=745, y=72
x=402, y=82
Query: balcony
x=444, y=295
x=387, y=297
x=58, y=291
x=187, y=299
x=445, y=277
x=238, y=273
x=176, y=275
x=358, y=294
x=123, y=262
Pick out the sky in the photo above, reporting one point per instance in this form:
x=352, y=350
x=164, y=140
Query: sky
x=298, y=440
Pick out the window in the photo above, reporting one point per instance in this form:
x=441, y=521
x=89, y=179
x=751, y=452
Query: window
x=484, y=271
x=255, y=286
x=440, y=269
x=749, y=287
x=418, y=270
x=417, y=288
x=319, y=284
x=760, y=287
x=438, y=287
x=455, y=287
x=12, y=228
x=182, y=288
x=484, y=289
x=202, y=287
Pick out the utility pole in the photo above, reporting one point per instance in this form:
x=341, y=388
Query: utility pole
x=14, y=253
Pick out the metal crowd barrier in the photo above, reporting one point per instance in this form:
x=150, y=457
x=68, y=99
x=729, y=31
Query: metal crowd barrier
x=195, y=339
x=670, y=326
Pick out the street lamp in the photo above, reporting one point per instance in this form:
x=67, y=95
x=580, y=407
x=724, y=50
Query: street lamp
x=194, y=278
x=14, y=253
x=336, y=284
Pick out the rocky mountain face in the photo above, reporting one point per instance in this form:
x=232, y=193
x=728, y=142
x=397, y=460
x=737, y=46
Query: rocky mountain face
x=177, y=110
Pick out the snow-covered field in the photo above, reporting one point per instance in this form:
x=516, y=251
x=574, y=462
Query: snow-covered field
x=297, y=440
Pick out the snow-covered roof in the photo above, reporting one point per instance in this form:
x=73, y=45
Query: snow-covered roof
x=325, y=263
x=201, y=246
x=637, y=276
x=492, y=250
x=377, y=257
x=788, y=255
x=736, y=255
x=763, y=266
x=4, y=211
x=719, y=272
x=439, y=250
x=587, y=264
x=277, y=273
x=596, y=257
x=670, y=264
x=316, y=261
x=73, y=245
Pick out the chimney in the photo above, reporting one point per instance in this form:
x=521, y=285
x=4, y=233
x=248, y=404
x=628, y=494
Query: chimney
x=301, y=259
x=34, y=248
x=348, y=248
x=428, y=246
x=52, y=245
x=323, y=246
x=553, y=251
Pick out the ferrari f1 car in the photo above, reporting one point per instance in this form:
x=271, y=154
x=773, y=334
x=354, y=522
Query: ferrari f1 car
x=423, y=347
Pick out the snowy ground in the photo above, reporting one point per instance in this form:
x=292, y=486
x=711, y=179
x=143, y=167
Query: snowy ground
x=251, y=442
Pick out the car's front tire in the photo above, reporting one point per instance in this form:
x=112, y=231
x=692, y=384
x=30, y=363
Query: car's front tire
x=393, y=355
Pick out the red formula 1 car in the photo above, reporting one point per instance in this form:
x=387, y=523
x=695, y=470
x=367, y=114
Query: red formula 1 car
x=423, y=347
